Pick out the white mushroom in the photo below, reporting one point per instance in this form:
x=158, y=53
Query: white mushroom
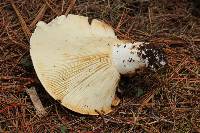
x=80, y=64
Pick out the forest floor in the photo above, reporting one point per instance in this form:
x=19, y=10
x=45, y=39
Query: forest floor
x=164, y=101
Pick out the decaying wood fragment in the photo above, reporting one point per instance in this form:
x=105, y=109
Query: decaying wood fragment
x=36, y=101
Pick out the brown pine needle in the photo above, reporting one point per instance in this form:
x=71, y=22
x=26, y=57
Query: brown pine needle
x=71, y=5
x=53, y=10
x=39, y=16
x=25, y=28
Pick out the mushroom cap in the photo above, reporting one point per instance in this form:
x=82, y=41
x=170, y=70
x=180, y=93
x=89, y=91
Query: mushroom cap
x=72, y=59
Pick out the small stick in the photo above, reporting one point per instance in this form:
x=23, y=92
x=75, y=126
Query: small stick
x=146, y=98
x=120, y=21
x=150, y=20
x=102, y=117
x=63, y=3
x=53, y=10
x=71, y=5
x=36, y=101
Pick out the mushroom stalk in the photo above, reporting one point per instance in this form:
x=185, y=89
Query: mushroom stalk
x=129, y=57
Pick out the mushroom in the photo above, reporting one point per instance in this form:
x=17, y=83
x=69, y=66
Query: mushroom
x=79, y=64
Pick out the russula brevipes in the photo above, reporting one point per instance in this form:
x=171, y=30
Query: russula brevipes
x=80, y=64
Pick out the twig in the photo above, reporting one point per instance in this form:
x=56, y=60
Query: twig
x=150, y=20
x=14, y=77
x=63, y=3
x=121, y=21
x=39, y=16
x=25, y=28
x=102, y=117
x=168, y=41
x=71, y=5
x=115, y=121
x=36, y=101
x=147, y=97
x=48, y=4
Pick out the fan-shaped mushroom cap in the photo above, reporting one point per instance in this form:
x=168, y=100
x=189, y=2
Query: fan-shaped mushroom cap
x=72, y=60
x=79, y=63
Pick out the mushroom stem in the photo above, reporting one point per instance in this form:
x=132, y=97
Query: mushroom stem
x=125, y=57
x=128, y=57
